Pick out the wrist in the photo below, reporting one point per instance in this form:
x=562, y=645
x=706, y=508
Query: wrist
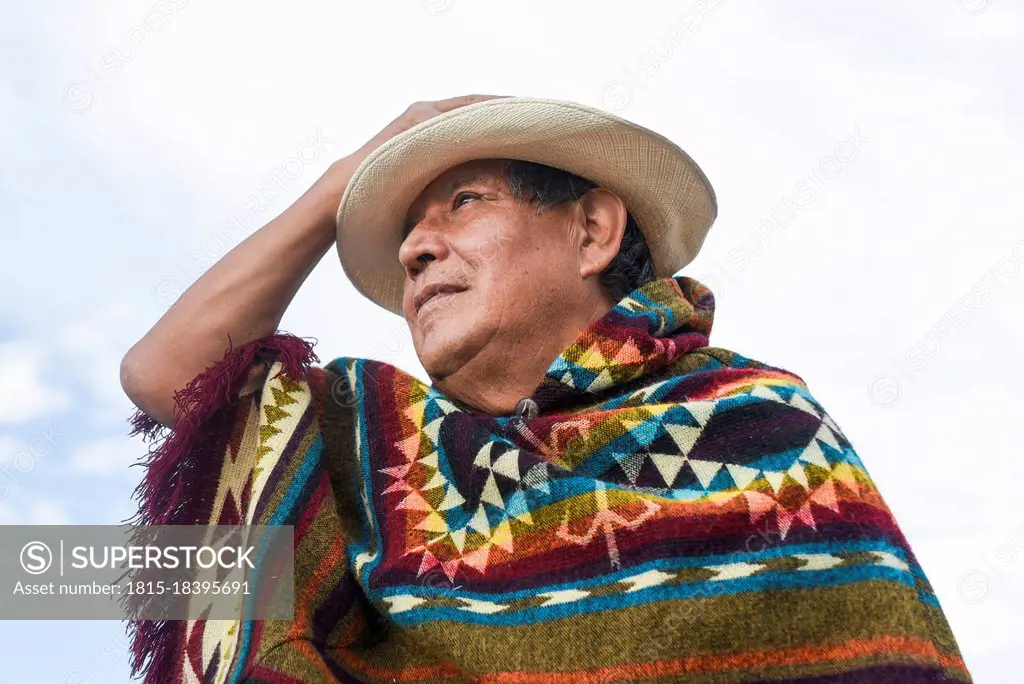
x=330, y=187
x=337, y=178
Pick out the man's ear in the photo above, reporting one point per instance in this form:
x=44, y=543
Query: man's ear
x=604, y=215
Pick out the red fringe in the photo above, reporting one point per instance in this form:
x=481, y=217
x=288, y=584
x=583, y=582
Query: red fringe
x=182, y=470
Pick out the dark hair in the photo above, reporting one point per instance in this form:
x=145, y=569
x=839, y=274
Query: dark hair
x=547, y=186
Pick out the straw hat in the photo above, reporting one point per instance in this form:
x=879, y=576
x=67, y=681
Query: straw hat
x=671, y=199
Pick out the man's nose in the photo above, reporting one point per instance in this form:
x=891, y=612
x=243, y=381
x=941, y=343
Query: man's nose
x=424, y=244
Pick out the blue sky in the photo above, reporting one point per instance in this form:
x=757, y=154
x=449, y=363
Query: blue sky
x=866, y=161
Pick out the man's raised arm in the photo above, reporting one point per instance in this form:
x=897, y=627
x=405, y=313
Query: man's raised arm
x=245, y=294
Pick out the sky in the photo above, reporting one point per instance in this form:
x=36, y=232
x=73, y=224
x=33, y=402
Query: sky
x=866, y=158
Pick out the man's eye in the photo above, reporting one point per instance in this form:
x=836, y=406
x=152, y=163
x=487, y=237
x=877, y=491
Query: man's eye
x=457, y=201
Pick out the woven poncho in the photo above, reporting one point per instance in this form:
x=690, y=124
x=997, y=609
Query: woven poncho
x=675, y=512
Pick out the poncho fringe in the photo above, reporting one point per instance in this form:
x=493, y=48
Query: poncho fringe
x=189, y=455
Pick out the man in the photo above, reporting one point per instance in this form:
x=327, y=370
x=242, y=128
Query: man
x=587, y=491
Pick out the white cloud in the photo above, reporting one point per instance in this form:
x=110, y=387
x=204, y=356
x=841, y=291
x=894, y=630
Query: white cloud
x=110, y=456
x=36, y=512
x=95, y=345
x=1003, y=21
x=25, y=392
x=8, y=447
x=978, y=579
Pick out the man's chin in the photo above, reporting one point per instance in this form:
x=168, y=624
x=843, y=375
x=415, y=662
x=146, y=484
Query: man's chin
x=444, y=351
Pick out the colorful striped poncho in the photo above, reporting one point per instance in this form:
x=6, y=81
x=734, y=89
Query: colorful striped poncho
x=675, y=513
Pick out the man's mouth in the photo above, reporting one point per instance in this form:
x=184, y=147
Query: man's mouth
x=437, y=291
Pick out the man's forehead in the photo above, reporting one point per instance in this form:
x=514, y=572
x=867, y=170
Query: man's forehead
x=467, y=172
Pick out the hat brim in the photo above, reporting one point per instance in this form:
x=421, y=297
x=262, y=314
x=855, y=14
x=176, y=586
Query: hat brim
x=664, y=189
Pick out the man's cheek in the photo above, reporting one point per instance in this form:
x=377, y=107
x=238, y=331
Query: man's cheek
x=467, y=270
x=490, y=250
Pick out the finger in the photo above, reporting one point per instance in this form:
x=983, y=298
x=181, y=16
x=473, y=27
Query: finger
x=463, y=100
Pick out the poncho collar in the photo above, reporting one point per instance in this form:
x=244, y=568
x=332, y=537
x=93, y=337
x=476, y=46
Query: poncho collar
x=645, y=332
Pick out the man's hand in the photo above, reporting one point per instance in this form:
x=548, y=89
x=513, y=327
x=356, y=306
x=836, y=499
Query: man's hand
x=417, y=113
x=335, y=180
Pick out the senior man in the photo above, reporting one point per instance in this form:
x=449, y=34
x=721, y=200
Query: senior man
x=586, y=491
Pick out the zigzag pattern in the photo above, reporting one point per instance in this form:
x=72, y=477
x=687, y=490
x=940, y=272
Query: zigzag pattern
x=245, y=470
x=663, y=481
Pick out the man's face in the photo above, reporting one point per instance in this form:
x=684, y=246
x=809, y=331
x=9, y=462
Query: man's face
x=484, y=271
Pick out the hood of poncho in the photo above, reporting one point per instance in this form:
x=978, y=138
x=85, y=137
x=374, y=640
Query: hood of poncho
x=640, y=336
